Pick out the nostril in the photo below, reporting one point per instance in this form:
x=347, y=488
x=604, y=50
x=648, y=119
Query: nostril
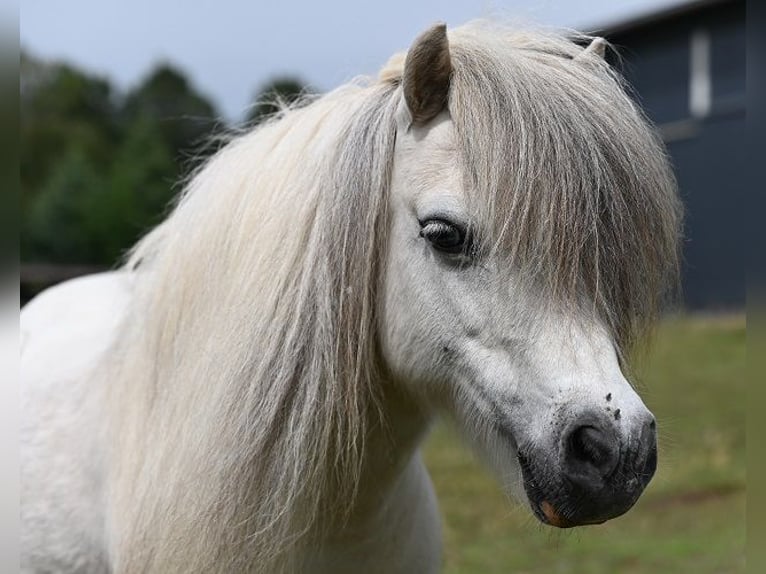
x=584, y=445
x=590, y=449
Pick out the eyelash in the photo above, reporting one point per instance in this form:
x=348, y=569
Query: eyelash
x=446, y=236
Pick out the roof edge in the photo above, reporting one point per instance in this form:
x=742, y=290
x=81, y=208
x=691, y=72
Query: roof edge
x=645, y=19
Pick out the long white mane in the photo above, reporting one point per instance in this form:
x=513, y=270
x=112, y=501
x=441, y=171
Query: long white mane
x=245, y=377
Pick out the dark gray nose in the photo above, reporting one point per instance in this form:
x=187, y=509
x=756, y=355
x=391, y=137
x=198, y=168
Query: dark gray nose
x=605, y=467
x=602, y=465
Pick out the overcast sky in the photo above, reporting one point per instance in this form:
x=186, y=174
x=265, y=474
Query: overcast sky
x=230, y=47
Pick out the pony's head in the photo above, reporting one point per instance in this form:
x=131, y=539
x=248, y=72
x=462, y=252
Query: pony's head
x=533, y=223
x=485, y=230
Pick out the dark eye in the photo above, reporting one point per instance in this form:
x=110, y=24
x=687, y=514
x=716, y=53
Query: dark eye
x=445, y=236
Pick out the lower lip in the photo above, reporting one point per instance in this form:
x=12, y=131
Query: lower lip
x=552, y=517
x=548, y=514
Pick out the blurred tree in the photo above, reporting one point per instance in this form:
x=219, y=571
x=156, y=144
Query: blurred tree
x=274, y=96
x=61, y=108
x=140, y=183
x=97, y=172
x=56, y=228
x=183, y=116
x=85, y=216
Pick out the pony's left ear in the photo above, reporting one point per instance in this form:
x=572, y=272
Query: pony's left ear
x=426, y=77
x=597, y=48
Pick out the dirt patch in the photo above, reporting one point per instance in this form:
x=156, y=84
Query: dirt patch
x=695, y=496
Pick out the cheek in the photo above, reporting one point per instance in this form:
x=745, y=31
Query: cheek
x=414, y=324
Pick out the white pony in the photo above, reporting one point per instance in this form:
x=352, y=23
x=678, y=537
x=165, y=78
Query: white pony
x=482, y=231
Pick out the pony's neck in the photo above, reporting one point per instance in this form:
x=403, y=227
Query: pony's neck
x=394, y=524
x=390, y=448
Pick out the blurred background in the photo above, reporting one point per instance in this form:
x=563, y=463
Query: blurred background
x=120, y=100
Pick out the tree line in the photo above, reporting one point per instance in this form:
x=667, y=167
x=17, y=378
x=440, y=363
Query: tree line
x=97, y=167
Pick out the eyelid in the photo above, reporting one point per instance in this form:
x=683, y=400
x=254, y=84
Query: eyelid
x=466, y=246
x=443, y=218
x=443, y=222
x=466, y=232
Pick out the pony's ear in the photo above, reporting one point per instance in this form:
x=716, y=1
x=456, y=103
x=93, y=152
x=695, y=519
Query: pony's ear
x=597, y=48
x=426, y=77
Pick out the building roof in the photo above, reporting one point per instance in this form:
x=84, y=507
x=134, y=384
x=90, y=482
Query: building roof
x=678, y=10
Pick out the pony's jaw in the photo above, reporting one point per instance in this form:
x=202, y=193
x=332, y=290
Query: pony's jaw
x=519, y=377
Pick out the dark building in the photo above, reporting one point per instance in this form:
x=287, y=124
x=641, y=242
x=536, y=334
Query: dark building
x=687, y=66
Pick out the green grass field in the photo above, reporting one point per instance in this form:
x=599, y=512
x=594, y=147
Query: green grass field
x=691, y=519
